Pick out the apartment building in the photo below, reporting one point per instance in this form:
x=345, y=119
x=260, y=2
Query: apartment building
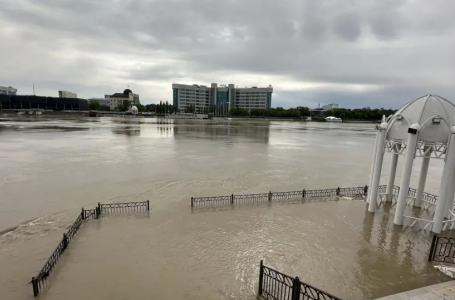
x=66, y=94
x=225, y=97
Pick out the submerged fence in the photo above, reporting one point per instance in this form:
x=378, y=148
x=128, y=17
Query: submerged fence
x=442, y=249
x=274, y=285
x=277, y=196
x=303, y=195
x=39, y=281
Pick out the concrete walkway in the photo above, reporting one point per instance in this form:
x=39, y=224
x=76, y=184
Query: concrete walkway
x=440, y=291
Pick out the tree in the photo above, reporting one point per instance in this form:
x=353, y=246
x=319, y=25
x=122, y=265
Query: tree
x=125, y=106
x=94, y=105
x=190, y=109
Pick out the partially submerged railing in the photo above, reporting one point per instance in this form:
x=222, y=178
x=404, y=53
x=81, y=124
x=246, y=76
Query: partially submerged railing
x=275, y=285
x=38, y=282
x=442, y=249
x=277, y=196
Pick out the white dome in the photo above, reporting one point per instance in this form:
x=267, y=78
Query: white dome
x=134, y=110
x=435, y=115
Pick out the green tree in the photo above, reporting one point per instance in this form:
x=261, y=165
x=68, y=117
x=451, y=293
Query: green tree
x=94, y=105
x=125, y=106
x=190, y=109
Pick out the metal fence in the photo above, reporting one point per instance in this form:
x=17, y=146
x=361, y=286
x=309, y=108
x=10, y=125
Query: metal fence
x=274, y=285
x=277, y=196
x=39, y=282
x=442, y=249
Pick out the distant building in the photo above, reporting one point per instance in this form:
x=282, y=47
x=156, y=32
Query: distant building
x=101, y=101
x=330, y=106
x=8, y=90
x=65, y=94
x=116, y=100
x=222, y=97
x=39, y=102
x=136, y=99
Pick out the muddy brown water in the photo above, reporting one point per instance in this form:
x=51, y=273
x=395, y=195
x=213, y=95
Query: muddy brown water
x=52, y=167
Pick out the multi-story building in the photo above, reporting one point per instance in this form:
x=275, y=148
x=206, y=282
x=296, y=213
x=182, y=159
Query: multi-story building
x=117, y=100
x=66, y=94
x=330, y=106
x=8, y=90
x=222, y=97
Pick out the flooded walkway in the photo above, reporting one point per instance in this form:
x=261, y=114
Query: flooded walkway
x=440, y=291
x=141, y=257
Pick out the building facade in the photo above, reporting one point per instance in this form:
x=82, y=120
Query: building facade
x=117, y=100
x=330, y=106
x=66, y=94
x=8, y=90
x=221, y=98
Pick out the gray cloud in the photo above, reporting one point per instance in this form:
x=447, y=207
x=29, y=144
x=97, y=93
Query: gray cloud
x=353, y=52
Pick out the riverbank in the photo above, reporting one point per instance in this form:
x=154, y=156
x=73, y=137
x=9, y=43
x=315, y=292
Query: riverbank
x=73, y=114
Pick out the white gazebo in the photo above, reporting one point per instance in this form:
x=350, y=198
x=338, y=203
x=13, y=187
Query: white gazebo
x=425, y=128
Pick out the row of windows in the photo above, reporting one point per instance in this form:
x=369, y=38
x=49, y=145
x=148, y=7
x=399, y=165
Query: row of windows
x=251, y=93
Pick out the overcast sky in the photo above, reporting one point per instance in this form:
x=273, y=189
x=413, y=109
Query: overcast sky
x=356, y=53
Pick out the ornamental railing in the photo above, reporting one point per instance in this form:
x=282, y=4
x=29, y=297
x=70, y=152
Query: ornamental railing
x=442, y=249
x=39, y=282
x=274, y=285
x=232, y=199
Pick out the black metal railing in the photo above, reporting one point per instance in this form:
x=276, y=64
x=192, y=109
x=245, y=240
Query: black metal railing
x=277, y=196
x=442, y=249
x=39, y=282
x=274, y=285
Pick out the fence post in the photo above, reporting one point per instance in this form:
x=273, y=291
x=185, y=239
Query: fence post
x=65, y=241
x=83, y=214
x=338, y=191
x=148, y=204
x=192, y=201
x=365, y=190
x=232, y=199
x=35, y=287
x=270, y=196
x=432, y=248
x=261, y=276
x=296, y=289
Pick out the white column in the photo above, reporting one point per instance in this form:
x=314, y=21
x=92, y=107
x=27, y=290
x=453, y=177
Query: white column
x=445, y=189
x=375, y=151
x=411, y=146
x=392, y=174
x=451, y=196
x=377, y=168
x=423, y=176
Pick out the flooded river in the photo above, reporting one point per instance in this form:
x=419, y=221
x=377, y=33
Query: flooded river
x=52, y=167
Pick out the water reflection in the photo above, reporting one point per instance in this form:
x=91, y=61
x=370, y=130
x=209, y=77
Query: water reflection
x=406, y=249
x=253, y=131
x=127, y=130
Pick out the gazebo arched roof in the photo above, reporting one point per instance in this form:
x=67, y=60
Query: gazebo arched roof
x=434, y=114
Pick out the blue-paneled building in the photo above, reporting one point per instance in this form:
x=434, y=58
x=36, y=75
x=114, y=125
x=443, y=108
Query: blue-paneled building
x=221, y=98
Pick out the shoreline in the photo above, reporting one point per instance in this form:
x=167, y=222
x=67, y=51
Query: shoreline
x=84, y=114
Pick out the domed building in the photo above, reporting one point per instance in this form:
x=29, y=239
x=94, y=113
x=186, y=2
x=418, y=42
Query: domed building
x=134, y=110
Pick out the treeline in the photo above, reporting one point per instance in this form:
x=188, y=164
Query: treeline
x=360, y=113
x=161, y=108
x=278, y=112
x=366, y=113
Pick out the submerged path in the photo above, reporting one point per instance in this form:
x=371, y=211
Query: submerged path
x=440, y=291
